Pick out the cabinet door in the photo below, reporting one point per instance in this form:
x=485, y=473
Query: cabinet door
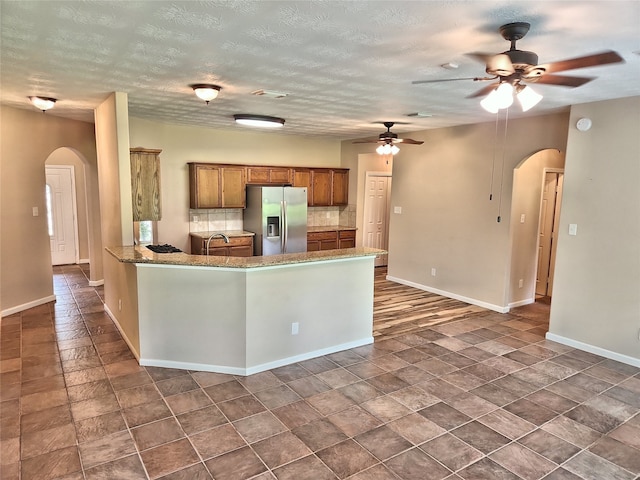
x=233, y=187
x=329, y=244
x=280, y=176
x=145, y=184
x=346, y=239
x=340, y=187
x=302, y=178
x=204, y=186
x=243, y=251
x=321, y=187
x=258, y=175
x=313, y=245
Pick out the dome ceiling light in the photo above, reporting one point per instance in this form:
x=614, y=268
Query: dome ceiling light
x=43, y=103
x=206, y=91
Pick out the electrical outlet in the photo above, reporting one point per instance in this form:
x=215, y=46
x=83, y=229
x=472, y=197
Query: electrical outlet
x=295, y=328
x=522, y=218
x=35, y=211
x=119, y=304
x=328, y=214
x=520, y=283
x=433, y=272
x=196, y=218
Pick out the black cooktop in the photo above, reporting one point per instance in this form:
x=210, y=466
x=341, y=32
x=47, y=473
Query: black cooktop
x=166, y=248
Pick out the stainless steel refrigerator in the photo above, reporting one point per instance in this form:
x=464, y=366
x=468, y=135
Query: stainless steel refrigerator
x=278, y=217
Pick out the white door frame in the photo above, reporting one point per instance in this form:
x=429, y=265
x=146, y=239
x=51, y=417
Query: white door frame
x=556, y=212
x=74, y=206
x=366, y=205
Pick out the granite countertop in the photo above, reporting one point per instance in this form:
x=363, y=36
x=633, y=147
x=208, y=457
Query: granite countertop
x=228, y=233
x=137, y=254
x=329, y=228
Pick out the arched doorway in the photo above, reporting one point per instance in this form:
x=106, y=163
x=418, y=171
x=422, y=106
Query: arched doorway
x=526, y=214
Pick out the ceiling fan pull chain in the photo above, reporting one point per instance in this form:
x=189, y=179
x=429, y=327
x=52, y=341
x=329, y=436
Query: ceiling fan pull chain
x=504, y=148
x=493, y=162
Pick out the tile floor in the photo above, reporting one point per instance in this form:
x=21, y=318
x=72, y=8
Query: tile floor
x=481, y=398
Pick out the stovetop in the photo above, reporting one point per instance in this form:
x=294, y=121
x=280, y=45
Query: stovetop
x=166, y=248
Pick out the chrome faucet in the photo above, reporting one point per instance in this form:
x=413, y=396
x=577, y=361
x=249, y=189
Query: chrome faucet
x=214, y=235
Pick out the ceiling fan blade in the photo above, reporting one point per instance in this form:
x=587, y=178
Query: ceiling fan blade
x=416, y=82
x=562, y=80
x=408, y=141
x=480, y=56
x=603, y=58
x=371, y=140
x=483, y=91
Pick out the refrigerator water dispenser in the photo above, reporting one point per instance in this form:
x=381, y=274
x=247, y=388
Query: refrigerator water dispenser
x=273, y=226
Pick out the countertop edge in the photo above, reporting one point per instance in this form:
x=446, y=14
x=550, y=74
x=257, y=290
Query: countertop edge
x=135, y=254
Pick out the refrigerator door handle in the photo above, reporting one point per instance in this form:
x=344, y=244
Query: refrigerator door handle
x=285, y=231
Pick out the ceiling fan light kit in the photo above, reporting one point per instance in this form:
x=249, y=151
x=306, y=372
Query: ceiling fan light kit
x=262, y=121
x=206, y=91
x=43, y=103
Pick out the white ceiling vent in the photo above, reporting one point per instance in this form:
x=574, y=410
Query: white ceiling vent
x=269, y=93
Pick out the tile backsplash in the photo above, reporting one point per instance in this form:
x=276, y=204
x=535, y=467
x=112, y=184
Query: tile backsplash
x=231, y=218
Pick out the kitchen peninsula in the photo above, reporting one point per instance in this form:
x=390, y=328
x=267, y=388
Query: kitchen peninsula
x=241, y=315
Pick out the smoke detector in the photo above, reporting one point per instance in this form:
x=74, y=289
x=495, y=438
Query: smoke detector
x=269, y=93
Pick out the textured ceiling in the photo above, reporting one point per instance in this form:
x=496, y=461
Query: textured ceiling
x=343, y=64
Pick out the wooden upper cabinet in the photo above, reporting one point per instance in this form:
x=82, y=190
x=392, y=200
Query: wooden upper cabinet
x=204, y=186
x=145, y=184
x=320, y=187
x=268, y=175
x=233, y=193
x=340, y=187
x=301, y=178
x=216, y=186
x=213, y=185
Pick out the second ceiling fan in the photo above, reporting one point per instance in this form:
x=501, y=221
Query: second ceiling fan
x=514, y=69
x=388, y=140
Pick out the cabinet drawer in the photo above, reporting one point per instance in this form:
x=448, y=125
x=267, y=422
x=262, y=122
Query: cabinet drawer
x=319, y=236
x=345, y=234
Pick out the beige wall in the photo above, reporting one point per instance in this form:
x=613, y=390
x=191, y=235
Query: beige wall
x=28, y=138
x=596, y=296
x=112, y=145
x=527, y=192
x=181, y=144
x=447, y=221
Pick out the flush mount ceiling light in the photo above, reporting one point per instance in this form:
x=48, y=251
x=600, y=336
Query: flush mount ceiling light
x=43, y=103
x=263, y=121
x=206, y=91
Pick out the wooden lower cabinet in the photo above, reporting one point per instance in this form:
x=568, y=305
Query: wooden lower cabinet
x=237, y=246
x=330, y=240
x=346, y=239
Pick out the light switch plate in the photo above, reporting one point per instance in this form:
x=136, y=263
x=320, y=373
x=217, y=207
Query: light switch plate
x=35, y=211
x=397, y=209
x=573, y=229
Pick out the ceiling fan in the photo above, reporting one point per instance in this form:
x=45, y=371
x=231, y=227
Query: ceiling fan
x=516, y=68
x=388, y=139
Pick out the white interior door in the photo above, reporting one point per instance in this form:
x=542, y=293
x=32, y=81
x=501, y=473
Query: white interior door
x=549, y=216
x=376, y=214
x=61, y=214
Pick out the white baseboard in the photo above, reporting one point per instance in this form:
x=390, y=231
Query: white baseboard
x=593, y=349
x=521, y=303
x=28, y=305
x=153, y=362
x=455, y=296
x=96, y=283
x=124, y=335
x=83, y=260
